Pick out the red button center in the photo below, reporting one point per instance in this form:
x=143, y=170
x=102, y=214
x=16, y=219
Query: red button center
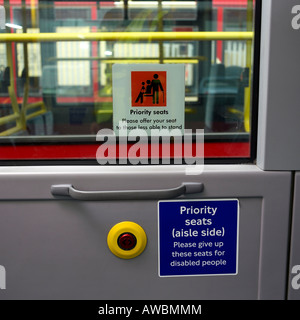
x=127, y=241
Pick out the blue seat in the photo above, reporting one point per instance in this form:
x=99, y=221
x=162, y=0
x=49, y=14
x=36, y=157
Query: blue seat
x=36, y=126
x=48, y=121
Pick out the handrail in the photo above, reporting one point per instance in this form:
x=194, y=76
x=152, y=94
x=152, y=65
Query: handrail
x=157, y=60
x=42, y=109
x=17, y=116
x=11, y=131
x=9, y=118
x=247, y=92
x=194, y=59
x=126, y=36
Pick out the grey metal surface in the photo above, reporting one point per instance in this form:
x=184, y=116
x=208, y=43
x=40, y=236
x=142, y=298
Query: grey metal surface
x=279, y=95
x=294, y=265
x=56, y=249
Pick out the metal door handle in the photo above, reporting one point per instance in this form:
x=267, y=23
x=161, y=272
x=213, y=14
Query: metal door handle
x=67, y=190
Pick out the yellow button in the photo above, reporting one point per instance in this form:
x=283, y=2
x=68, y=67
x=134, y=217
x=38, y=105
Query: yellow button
x=126, y=240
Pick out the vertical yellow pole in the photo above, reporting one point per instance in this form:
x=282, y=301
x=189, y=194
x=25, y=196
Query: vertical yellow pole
x=33, y=13
x=160, y=29
x=11, y=87
x=247, y=92
x=26, y=64
x=34, y=24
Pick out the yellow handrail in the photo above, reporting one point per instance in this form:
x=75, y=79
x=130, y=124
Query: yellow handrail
x=247, y=92
x=10, y=131
x=9, y=118
x=125, y=36
x=194, y=59
x=42, y=109
x=129, y=60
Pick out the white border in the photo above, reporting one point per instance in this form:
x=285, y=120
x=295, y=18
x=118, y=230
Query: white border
x=237, y=238
x=122, y=92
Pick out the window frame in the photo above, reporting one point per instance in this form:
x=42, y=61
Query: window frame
x=88, y=143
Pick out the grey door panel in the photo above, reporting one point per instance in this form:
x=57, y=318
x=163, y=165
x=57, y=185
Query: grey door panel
x=294, y=266
x=56, y=249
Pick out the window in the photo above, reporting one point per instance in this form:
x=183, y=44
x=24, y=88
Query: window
x=56, y=68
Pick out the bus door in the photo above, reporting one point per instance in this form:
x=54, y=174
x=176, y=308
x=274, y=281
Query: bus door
x=104, y=208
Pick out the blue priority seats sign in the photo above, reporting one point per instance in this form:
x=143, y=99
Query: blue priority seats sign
x=198, y=237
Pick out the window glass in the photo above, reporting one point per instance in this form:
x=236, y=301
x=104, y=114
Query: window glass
x=56, y=71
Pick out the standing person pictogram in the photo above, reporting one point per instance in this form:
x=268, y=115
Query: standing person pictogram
x=156, y=85
x=153, y=91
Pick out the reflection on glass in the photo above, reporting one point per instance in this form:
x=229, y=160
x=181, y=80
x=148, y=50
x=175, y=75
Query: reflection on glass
x=60, y=87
